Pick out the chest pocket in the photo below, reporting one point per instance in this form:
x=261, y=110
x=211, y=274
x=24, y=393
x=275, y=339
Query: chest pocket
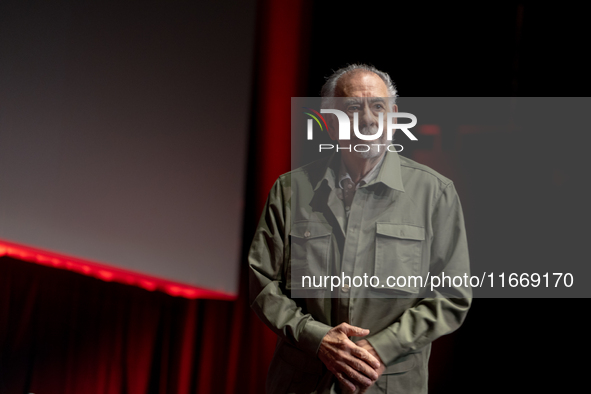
x=310, y=246
x=398, y=254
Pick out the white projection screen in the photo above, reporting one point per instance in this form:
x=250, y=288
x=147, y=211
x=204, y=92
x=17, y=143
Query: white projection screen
x=123, y=134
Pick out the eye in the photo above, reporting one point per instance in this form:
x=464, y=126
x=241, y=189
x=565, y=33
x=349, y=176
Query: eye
x=354, y=108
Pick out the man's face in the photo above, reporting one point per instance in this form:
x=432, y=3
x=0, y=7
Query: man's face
x=366, y=94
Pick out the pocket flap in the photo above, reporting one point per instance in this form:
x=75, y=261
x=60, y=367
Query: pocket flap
x=310, y=230
x=402, y=231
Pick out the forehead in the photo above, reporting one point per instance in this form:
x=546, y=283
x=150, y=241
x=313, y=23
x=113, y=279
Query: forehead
x=361, y=84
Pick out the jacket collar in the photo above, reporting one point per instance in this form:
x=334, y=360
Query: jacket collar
x=390, y=173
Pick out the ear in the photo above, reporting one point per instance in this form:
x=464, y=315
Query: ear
x=395, y=109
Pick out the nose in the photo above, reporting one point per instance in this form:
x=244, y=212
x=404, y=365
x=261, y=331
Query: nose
x=367, y=117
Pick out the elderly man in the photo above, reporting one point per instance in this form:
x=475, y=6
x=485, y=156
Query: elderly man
x=358, y=213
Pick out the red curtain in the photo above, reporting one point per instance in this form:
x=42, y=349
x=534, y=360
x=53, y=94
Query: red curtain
x=62, y=332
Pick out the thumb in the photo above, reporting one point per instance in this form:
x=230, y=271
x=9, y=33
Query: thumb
x=351, y=331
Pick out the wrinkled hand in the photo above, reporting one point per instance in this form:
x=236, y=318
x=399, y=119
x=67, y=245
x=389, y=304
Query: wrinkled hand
x=364, y=344
x=353, y=365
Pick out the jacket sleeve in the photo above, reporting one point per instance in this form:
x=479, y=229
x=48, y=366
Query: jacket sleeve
x=268, y=262
x=446, y=307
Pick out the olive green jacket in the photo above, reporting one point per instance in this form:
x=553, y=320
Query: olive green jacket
x=406, y=222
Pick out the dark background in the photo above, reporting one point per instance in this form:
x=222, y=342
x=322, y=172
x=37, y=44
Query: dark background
x=523, y=200
x=523, y=195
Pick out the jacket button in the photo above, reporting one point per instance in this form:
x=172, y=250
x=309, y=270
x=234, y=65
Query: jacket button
x=345, y=288
x=307, y=234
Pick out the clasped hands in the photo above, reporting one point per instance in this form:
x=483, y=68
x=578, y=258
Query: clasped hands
x=355, y=365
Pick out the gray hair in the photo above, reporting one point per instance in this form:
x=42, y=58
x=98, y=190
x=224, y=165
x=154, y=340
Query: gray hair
x=329, y=87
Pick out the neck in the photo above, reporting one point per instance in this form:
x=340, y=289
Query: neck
x=358, y=167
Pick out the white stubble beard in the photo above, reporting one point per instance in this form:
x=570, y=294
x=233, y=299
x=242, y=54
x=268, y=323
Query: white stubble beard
x=374, y=150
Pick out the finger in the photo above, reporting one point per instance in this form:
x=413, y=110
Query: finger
x=366, y=356
x=362, y=367
x=353, y=375
x=345, y=381
x=352, y=331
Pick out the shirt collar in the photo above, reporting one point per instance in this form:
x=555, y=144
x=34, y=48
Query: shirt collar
x=329, y=173
x=389, y=173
